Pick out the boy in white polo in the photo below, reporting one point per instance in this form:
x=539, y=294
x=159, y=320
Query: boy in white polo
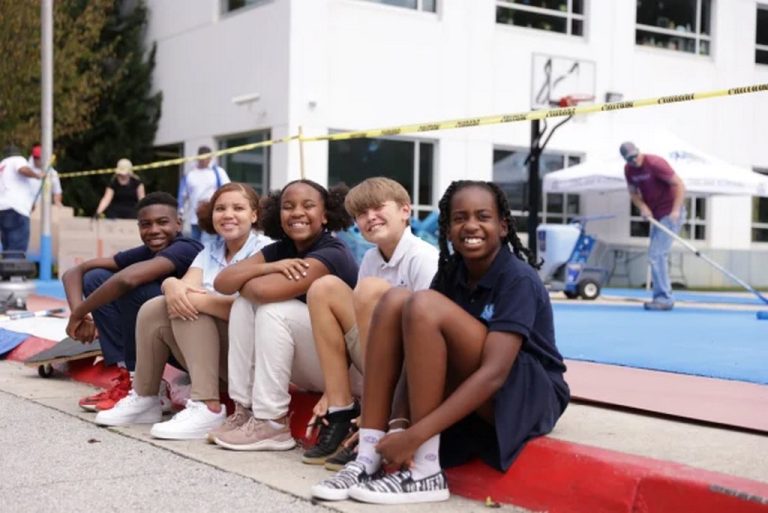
x=341, y=316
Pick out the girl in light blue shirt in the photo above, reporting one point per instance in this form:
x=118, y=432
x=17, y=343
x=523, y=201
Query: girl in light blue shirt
x=190, y=322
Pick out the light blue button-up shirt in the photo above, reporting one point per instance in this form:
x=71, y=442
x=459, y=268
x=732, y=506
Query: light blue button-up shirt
x=212, y=259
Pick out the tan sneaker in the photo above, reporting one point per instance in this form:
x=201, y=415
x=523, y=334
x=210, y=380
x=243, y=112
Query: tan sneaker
x=234, y=421
x=257, y=435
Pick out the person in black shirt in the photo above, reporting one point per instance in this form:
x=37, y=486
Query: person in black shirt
x=123, y=192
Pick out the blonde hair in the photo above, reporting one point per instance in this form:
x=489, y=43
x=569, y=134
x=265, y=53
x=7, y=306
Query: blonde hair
x=372, y=192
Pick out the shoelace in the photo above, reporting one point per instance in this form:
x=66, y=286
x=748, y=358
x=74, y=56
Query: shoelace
x=327, y=432
x=252, y=425
x=236, y=419
x=188, y=410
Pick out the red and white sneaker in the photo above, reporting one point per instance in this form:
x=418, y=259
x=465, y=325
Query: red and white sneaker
x=118, y=393
x=122, y=383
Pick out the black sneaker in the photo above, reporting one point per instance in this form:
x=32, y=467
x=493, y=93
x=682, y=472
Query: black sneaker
x=401, y=488
x=334, y=428
x=341, y=458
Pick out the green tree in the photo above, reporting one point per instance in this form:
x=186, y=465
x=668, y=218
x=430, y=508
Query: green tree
x=124, y=122
x=78, y=81
x=104, y=107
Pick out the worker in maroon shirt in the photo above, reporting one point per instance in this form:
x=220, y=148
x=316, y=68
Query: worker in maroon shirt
x=657, y=192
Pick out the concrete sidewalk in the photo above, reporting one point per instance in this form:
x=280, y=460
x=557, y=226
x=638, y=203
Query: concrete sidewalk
x=703, y=447
x=55, y=459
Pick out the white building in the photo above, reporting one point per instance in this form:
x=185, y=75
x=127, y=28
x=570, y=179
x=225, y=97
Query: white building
x=238, y=71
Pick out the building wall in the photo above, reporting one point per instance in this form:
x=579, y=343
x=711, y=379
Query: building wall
x=351, y=64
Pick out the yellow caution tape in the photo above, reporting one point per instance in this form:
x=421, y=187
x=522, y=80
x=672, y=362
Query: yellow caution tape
x=182, y=160
x=456, y=123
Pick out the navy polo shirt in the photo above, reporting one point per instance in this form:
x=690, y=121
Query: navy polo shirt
x=329, y=250
x=510, y=297
x=181, y=252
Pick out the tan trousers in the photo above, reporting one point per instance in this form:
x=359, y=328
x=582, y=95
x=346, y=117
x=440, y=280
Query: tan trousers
x=200, y=346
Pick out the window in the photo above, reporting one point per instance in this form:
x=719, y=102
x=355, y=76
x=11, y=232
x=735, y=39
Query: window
x=233, y=5
x=410, y=163
x=681, y=25
x=761, y=38
x=564, y=16
x=760, y=215
x=510, y=172
x=251, y=166
x=694, y=227
x=419, y=5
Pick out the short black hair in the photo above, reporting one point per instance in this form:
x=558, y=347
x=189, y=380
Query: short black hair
x=157, y=198
x=202, y=150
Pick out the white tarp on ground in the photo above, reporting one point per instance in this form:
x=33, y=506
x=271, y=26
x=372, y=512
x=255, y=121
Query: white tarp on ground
x=701, y=173
x=51, y=328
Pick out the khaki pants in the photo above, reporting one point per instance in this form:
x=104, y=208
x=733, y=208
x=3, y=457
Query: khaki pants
x=200, y=346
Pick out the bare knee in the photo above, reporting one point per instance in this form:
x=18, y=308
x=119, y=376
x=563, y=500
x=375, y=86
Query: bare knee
x=369, y=291
x=325, y=288
x=422, y=306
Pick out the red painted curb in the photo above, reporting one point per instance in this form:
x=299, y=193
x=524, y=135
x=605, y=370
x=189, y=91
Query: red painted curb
x=564, y=477
x=550, y=474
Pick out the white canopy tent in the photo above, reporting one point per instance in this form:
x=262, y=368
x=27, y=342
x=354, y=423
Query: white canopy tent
x=701, y=173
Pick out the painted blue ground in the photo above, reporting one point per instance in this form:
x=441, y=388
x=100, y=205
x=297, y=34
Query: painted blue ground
x=695, y=297
x=50, y=288
x=713, y=343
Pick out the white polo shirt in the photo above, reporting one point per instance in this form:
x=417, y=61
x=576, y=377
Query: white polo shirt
x=212, y=259
x=412, y=266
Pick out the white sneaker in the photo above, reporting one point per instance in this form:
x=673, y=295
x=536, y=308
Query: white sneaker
x=131, y=409
x=191, y=423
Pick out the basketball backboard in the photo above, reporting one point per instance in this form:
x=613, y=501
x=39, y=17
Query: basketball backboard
x=554, y=78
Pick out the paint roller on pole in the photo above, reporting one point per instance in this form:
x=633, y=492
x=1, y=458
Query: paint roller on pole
x=711, y=262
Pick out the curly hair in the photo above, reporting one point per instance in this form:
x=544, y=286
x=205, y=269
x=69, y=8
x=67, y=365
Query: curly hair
x=333, y=202
x=205, y=210
x=447, y=261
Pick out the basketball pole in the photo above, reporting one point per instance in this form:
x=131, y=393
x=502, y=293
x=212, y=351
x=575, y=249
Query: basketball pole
x=534, y=186
x=534, y=177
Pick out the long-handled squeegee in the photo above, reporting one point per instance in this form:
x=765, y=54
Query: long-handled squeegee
x=711, y=262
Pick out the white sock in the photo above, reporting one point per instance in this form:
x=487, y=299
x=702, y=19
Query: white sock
x=426, y=460
x=334, y=409
x=366, y=449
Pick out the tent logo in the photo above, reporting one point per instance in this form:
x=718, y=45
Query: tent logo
x=684, y=155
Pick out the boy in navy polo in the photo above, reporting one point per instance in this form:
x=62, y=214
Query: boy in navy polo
x=480, y=359
x=105, y=294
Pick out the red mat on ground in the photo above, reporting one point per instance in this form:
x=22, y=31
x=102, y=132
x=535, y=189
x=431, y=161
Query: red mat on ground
x=730, y=403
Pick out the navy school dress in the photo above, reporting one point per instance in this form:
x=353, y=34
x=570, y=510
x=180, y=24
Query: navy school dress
x=510, y=298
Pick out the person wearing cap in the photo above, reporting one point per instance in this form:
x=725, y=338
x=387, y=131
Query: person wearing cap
x=657, y=191
x=16, y=184
x=123, y=192
x=197, y=187
x=35, y=162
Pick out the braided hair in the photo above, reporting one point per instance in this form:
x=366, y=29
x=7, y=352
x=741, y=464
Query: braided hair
x=448, y=261
x=333, y=202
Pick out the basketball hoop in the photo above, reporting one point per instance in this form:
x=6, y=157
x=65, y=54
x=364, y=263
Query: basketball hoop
x=574, y=99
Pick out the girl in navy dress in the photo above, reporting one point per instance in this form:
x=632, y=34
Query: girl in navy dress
x=478, y=349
